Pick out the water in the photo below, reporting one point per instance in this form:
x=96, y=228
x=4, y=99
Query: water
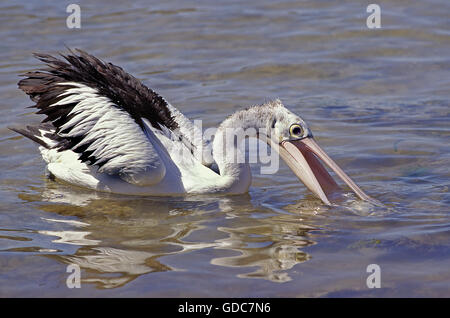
x=377, y=101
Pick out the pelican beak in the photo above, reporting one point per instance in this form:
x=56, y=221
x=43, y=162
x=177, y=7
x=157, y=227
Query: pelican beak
x=303, y=155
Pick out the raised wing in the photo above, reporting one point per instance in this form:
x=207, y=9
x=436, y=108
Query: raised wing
x=98, y=111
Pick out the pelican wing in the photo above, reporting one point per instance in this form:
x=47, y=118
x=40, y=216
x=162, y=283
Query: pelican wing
x=102, y=113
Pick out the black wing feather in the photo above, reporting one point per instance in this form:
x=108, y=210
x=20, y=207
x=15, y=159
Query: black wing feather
x=46, y=86
x=127, y=92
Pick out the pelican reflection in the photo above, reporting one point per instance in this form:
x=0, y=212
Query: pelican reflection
x=119, y=238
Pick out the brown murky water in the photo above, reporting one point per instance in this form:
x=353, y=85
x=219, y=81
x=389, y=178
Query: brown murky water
x=377, y=101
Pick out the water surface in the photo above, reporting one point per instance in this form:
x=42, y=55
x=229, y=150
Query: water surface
x=376, y=100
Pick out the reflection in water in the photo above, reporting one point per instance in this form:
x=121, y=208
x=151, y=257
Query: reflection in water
x=119, y=238
x=264, y=249
x=112, y=267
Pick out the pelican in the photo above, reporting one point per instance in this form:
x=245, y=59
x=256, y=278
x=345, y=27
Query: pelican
x=105, y=130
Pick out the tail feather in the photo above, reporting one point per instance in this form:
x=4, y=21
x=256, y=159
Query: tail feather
x=33, y=133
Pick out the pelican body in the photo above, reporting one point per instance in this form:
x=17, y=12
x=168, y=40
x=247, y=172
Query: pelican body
x=104, y=130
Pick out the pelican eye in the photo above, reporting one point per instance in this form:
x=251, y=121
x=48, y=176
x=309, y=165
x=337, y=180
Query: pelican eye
x=296, y=130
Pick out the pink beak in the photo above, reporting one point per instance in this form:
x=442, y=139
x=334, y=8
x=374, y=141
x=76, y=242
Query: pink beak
x=303, y=155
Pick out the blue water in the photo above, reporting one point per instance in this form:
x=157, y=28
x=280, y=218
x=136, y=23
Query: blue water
x=376, y=100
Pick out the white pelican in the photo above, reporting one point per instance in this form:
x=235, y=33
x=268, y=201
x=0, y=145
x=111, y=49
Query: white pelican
x=106, y=131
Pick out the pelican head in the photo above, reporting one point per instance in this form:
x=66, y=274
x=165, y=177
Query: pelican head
x=290, y=135
x=297, y=147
